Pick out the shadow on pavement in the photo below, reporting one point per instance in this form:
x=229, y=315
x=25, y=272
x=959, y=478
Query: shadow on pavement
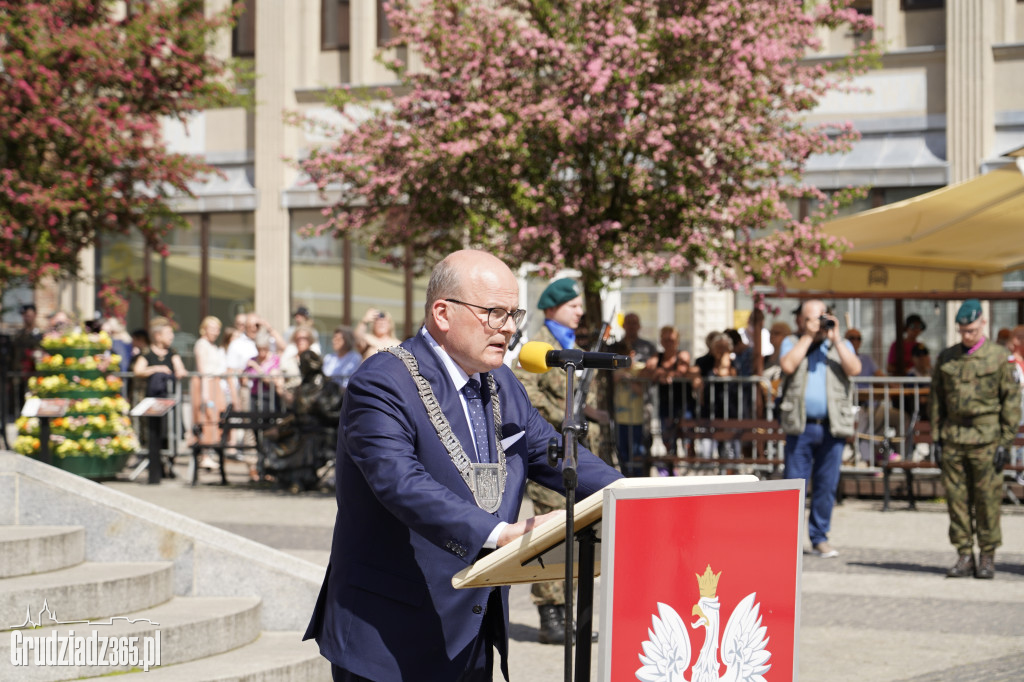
x=902, y=566
x=522, y=633
x=1001, y=669
x=908, y=567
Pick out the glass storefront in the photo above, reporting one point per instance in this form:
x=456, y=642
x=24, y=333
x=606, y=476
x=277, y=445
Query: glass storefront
x=176, y=278
x=318, y=281
x=661, y=304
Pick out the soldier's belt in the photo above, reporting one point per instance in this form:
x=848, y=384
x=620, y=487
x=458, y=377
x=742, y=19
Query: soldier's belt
x=977, y=420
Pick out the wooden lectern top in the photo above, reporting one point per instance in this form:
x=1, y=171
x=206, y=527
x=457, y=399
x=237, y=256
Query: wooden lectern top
x=518, y=563
x=153, y=407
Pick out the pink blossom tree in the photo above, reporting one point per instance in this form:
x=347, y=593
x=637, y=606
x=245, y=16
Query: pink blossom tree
x=619, y=137
x=84, y=85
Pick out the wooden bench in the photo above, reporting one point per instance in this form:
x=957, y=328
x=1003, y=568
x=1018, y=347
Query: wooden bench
x=257, y=422
x=757, y=432
x=922, y=434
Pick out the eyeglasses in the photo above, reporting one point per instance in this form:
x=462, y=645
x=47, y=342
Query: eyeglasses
x=496, y=317
x=853, y=338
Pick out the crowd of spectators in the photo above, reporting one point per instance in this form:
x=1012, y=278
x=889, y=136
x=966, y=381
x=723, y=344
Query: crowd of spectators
x=666, y=385
x=250, y=365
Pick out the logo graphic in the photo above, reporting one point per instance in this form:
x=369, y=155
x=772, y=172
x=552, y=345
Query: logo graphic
x=51, y=618
x=666, y=654
x=65, y=648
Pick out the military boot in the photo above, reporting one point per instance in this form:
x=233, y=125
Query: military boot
x=964, y=567
x=986, y=567
x=572, y=624
x=552, y=624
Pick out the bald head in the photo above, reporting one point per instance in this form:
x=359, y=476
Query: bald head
x=462, y=288
x=808, y=316
x=455, y=275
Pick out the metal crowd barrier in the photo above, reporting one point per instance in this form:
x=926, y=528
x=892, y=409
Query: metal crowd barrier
x=14, y=386
x=888, y=407
x=694, y=420
x=888, y=410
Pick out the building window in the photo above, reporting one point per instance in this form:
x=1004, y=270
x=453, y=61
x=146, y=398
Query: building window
x=910, y=5
x=864, y=9
x=335, y=24
x=243, y=36
x=383, y=29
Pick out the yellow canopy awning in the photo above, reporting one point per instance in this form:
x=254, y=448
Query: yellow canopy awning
x=964, y=237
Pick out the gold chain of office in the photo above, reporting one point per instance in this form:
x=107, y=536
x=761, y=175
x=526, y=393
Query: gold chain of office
x=485, y=480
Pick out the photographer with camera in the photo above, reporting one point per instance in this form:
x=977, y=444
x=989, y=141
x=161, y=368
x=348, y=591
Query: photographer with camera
x=375, y=332
x=817, y=411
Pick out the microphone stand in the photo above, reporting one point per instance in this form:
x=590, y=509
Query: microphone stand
x=571, y=429
x=568, y=452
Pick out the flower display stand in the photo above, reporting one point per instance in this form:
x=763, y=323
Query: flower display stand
x=94, y=437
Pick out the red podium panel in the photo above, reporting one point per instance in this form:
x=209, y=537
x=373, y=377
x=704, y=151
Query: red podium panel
x=701, y=581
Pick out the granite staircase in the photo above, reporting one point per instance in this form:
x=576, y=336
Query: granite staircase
x=43, y=575
x=50, y=586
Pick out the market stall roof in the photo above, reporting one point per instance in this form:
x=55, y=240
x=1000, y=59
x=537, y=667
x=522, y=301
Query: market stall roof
x=960, y=238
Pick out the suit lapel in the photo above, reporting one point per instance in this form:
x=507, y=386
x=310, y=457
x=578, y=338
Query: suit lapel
x=447, y=397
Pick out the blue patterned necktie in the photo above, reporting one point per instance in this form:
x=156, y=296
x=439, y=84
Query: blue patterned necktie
x=477, y=420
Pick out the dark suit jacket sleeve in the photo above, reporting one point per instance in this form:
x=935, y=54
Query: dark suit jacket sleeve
x=406, y=476
x=594, y=474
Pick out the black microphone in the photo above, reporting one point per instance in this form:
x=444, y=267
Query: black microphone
x=538, y=357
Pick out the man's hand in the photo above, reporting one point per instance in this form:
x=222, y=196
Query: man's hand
x=937, y=452
x=521, y=528
x=832, y=333
x=1001, y=458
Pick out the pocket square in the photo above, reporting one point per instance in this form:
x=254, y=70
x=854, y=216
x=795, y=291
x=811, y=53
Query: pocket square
x=508, y=442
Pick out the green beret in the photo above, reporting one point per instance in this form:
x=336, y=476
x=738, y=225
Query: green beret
x=969, y=311
x=557, y=293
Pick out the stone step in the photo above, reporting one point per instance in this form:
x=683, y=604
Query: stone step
x=25, y=550
x=274, y=657
x=89, y=590
x=190, y=628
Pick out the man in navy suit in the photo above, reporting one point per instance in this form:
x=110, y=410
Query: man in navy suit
x=414, y=488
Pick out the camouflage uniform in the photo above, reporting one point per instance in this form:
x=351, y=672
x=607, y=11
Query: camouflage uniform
x=974, y=408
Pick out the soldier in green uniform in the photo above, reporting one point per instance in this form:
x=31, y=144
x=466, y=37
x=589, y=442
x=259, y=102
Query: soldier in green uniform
x=975, y=409
x=562, y=304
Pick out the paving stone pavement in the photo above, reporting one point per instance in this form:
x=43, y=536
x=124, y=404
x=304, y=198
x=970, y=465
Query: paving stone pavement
x=882, y=610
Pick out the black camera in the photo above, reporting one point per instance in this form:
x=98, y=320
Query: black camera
x=827, y=322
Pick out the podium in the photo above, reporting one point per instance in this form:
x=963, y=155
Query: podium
x=153, y=410
x=700, y=571
x=44, y=409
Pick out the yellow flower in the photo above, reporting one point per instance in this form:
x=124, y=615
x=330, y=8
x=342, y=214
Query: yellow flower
x=26, y=445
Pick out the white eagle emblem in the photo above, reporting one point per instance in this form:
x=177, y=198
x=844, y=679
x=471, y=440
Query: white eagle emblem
x=667, y=651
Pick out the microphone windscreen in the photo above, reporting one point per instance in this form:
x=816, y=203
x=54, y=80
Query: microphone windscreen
x=533, y=356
